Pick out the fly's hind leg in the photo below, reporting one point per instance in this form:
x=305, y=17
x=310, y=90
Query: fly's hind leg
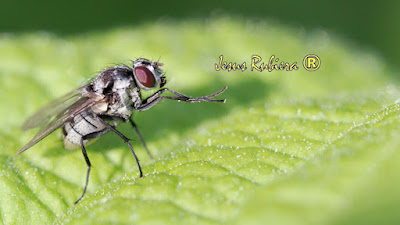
x=87, y=137
x=111, y=128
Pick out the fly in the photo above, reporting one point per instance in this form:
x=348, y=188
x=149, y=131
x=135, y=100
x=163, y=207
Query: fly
x=99, y=106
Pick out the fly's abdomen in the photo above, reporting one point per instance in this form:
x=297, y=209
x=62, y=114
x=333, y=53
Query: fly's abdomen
x=82, y=125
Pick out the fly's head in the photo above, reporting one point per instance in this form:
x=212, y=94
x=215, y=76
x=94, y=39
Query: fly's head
x=148, y=74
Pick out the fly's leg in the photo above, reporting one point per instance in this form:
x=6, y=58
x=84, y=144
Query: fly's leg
x=156, y=97
x=87, y=137
x=141, y=138
x=109, y=127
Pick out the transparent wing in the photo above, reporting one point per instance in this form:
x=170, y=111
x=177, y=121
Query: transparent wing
x=47, y=113
x=65, y=113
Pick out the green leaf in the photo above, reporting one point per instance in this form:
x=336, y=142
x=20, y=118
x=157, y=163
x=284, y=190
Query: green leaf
x=288, y=146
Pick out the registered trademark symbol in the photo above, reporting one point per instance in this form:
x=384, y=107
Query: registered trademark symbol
x=311, y=62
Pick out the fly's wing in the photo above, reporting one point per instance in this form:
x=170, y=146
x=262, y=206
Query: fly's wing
x=60, y=115
x=54, y=108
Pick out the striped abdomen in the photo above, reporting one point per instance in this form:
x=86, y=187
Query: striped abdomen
x=83, y=124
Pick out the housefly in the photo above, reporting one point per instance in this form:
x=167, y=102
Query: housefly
x=100, y=105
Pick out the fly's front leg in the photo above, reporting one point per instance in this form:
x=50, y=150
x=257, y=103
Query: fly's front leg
x=156, y=97
x=87, y=137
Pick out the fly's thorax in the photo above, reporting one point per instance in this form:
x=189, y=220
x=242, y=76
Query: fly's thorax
x=104, y=80
x=120, y=104
x=113, y=78
x=136, y=97
x=120, y=91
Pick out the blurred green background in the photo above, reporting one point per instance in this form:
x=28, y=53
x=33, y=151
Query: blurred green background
x=371, y=24
x=334, y=121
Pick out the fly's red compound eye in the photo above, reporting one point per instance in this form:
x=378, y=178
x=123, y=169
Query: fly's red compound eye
x=145, y=76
